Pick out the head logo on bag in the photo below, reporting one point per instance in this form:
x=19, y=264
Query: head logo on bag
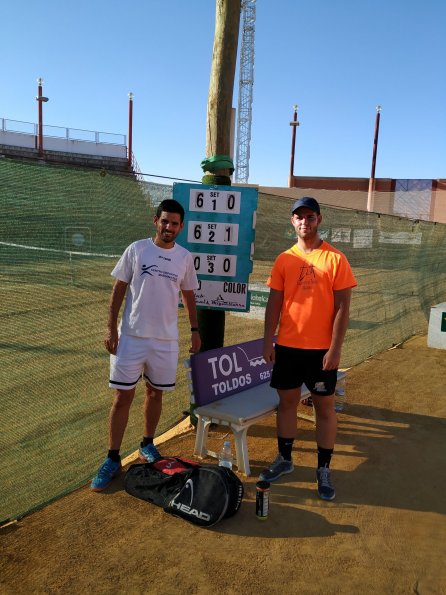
x=191, y=511
x=186, y=508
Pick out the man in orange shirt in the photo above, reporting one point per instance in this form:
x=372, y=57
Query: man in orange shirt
x=310, y=290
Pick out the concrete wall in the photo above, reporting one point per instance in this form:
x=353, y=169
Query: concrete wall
x=354, y=199
x=438, y=204
x=352, y=193
x=18, y=139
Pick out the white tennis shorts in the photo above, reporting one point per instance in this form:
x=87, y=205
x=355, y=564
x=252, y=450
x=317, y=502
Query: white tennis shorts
x=137, y=357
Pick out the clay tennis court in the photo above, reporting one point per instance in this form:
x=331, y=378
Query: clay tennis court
x=385, y=532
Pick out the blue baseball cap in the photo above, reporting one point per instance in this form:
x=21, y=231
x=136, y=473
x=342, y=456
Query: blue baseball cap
x=306, y=201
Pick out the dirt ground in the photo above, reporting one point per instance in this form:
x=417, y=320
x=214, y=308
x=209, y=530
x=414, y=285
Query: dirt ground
x=385, y=532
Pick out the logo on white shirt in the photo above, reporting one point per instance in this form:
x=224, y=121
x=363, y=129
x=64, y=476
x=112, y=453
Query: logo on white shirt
x=153, y=269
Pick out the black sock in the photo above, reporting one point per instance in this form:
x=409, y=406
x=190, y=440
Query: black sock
x=114, y=455
x=323, y=457
x=146, y=440
x=285, y=447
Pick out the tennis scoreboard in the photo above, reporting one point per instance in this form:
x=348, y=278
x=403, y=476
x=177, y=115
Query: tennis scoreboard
x=219, y=231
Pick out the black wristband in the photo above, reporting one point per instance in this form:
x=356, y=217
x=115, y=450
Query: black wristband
x=194, y=329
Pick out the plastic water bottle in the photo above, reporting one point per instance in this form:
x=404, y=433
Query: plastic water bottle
x=225, y=455
x=339, y=398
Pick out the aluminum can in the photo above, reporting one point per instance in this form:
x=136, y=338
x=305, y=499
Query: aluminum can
x=262, y=499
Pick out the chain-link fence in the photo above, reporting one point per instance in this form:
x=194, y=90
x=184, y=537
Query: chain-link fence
x=61, y=232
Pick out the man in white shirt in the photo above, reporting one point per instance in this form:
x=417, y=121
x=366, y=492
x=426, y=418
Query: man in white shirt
x=150, y=274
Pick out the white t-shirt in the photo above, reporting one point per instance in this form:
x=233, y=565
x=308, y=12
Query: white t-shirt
x=155, y=276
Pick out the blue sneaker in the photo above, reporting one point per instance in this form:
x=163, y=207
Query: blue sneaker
x=277, y=468
x=325, y=489
x=148, y=453
x=107, y=471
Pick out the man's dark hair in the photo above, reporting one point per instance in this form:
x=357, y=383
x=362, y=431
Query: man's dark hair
x=170, y=206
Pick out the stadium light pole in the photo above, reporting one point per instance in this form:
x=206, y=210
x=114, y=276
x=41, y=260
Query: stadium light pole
x=40, y=99
x=129, y=156
x=293, y=125
x=370, y=196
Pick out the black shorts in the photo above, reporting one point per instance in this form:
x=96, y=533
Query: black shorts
x=293, y=367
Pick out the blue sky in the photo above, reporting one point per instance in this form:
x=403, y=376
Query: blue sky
x=337, y=59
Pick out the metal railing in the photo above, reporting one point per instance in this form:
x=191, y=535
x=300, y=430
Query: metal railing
x=51, y=131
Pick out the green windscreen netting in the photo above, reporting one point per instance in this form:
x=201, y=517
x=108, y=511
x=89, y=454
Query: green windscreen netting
x=61, y=233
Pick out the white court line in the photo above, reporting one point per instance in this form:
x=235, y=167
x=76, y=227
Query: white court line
x=60, y=251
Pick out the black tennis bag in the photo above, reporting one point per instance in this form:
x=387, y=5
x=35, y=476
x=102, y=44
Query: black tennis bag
x=201, y=494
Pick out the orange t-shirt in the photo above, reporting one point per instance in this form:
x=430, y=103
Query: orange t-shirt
x=308, y=282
